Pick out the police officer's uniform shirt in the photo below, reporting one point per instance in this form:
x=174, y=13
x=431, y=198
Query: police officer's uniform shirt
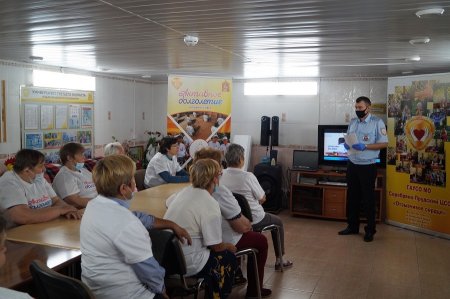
x=369, y=131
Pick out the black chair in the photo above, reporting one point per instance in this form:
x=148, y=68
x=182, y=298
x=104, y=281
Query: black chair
x=53, y=285
x=247, y=212
x=139, y=177
x=168, y=252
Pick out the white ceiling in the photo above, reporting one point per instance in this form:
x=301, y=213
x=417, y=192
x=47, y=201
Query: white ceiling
x=241, y=39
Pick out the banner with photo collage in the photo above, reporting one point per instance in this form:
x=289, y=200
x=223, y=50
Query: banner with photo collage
x=51, y=118
x=418, y=188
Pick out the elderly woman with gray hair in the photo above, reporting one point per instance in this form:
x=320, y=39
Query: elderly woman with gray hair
x=245, y=183
x=114, y=148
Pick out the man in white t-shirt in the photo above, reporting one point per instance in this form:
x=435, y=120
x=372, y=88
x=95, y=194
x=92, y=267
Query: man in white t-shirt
x=74, y=183
x=26, y=197
x=214, y=142
x=246, y=184
x=117, y=258
x=164, y=168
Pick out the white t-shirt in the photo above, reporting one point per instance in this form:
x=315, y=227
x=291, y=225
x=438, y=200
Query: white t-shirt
x=160, y=163
x=111, y=239
x=198, y=212
x=190, y=130
x=15, y=191
x=246, y=184
x=181, y=150
x=69, y=182
x=215, y=145
x=229, y=208
x=11, y=294
x=224, y=147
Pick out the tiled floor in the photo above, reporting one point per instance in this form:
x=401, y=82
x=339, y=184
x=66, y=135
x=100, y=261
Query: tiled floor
x=398, y=264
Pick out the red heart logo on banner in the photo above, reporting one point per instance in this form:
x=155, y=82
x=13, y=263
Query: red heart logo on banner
x=419, y=134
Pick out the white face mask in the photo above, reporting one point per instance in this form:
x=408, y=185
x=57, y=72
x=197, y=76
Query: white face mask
x=39, y=178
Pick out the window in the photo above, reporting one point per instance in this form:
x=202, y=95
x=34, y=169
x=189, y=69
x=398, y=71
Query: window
x=280, y=88
x=65, y=81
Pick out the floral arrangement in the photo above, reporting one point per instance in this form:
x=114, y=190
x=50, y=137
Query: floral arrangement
x=9, y=163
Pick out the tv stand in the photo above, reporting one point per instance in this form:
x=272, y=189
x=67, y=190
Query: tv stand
x=323, y=194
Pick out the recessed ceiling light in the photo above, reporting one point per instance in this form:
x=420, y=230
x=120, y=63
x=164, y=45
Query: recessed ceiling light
x=412, y=58
x=146, y=76
x=36, y=58
x=419, y=41
x=429, y=12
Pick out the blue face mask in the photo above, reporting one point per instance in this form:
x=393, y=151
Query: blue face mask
x=39, y=178
x=215, y=188
x=79, y=166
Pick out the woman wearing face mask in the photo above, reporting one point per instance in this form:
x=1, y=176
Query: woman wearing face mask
x=73, y=183
x=27, y=197
x=117, y=259
x=199, y=213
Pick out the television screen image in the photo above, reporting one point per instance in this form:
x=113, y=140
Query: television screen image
x=333, y=147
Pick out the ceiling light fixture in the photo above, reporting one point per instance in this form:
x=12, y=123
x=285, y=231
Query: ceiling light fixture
x=36, y=58
x=420, y=41
x=412, y=59
x=146, y=76
x=429, y=12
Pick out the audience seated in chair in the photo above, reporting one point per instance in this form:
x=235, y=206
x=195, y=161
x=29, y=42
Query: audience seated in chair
x=73, y=183
x=26, y=197
x=7, y=293
x=163, y=168
x=236, y=228
x=199, y=213
x=246, y=184
x=117, y=259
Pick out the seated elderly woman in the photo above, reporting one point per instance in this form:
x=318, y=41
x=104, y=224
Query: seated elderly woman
x=117, y=259
x=236, y=228
x=73, y=183
x=246, y=184
x=26, y=197
x=114, y=148
x=199, y=213
x=164, y=167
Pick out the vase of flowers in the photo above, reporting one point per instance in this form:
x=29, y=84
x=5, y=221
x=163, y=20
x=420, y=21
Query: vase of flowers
x=152, y=146
x=9, y=163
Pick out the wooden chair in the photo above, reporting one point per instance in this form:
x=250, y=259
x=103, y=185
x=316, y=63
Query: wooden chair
x=139, y=177
x=53, y=285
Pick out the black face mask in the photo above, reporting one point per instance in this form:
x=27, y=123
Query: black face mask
x=361, y=114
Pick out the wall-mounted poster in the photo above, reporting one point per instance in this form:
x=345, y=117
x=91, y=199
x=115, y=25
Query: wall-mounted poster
x=34, y=141
x=47, y=120
x=84, y=137
x=69, y=137
x=31, y=117
x=74, y=116
x=61, y=116
x=86, y=116
x=53, y=140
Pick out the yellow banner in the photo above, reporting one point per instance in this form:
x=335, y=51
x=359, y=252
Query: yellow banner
x=418, y=191
x=42, y=94
x=199, y=107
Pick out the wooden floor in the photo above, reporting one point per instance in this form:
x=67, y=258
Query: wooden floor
x=398, y=264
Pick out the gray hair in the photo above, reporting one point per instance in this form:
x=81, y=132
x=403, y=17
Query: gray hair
x=234, y=155
x=112, y=148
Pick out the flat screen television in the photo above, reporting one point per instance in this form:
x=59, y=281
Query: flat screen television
x=331, y=146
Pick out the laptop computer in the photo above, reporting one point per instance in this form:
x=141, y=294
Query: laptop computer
x=305, y=160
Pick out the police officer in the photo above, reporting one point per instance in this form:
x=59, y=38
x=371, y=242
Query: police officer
x=371, y=136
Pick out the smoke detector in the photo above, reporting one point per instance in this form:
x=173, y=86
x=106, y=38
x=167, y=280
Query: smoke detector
x=190, y=40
